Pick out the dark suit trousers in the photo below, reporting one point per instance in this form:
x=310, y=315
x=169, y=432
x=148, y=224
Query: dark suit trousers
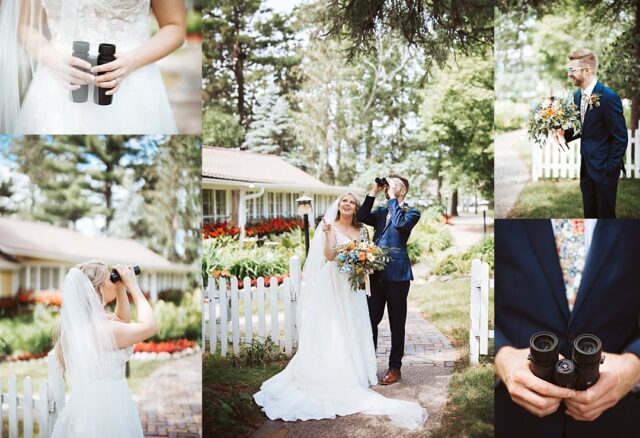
x=394, y=295
x=598, y=199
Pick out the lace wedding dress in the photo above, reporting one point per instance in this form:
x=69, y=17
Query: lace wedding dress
x=118, y=416
x=140, y=106
x=335, y=363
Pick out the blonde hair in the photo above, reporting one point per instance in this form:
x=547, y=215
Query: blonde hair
x=585, y=58
x=96, y=272
x=354, y=221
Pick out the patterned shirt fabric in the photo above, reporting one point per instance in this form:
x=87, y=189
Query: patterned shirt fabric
x=584, y=101
x=570, y=242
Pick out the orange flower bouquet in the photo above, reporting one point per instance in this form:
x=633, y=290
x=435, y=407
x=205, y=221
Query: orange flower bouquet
x=550, y=113
x=358, y=260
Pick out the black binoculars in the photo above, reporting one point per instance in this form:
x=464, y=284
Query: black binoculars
x=580, y=372
x=106, y=54
x=382, y=181
x=115, y=277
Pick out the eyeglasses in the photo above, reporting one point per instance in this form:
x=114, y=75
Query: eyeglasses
x=573, y=70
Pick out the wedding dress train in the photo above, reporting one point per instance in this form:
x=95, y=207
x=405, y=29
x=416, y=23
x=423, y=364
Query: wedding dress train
x=335, y=363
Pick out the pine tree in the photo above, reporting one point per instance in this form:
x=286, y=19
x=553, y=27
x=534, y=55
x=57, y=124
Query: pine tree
x=269, y=131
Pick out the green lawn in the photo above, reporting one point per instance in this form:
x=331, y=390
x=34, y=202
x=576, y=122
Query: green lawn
x=556, y=198
x=469, y=410
x=228, y=386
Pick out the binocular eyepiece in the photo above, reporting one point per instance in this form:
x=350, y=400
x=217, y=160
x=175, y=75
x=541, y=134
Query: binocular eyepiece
x=115, y=277
x=580, y=372
x=382, y=181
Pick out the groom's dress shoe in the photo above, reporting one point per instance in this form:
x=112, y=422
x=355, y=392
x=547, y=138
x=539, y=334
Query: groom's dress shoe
x=392, y=375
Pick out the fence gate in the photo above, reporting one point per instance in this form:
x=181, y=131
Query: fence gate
x=239, y=314
x=479, y=333
x=29, y=407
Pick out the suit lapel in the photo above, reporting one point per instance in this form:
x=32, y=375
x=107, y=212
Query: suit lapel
x=605, y=236
x=542, y=240
x=587, y=112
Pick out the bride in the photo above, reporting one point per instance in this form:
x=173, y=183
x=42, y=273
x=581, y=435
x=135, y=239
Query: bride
x=335, y=364
x=38, y=72
x=93, y=347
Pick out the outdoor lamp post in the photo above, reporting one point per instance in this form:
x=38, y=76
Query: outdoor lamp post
x=304, y=209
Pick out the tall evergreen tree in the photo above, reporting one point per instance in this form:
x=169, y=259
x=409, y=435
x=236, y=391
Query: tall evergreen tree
x=269, y=131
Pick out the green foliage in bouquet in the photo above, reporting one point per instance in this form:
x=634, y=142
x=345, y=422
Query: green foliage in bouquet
x=357, y=259
x=550, y=113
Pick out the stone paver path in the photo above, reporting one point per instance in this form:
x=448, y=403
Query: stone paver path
x=510, y=172
x=170, y=404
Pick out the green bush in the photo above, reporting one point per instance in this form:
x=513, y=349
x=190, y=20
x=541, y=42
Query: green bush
x=509, y=115
x=194, y=22
x=460, y=264
x=178, y=321
x=428, y=238
x=28, y=332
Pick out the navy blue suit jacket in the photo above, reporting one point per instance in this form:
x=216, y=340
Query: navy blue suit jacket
x=392, y=236
x=530, y=297
x=604, y=134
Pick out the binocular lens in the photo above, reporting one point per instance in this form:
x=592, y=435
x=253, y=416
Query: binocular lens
x=381, y=181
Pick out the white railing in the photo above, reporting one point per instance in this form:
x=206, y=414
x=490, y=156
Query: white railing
x=222, y=322
x=550, y=162
x=479, y=333
x=28, y=407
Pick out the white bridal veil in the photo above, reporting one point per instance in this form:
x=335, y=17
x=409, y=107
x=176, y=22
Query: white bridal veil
x=314, y=262
x=87, y=344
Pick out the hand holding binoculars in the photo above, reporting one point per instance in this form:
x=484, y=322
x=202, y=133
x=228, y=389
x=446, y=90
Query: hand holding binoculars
x=580, y=372
x=115, y=276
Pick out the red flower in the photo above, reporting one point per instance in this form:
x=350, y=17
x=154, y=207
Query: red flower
x=163, y=347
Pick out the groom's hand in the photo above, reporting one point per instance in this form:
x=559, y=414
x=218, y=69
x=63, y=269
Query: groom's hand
x=375, y=190
x=537, y=396
x=618, y=375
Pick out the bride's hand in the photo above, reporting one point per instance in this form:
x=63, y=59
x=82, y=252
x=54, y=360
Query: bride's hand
x=127, y=276
x=67, y=68
x=326, y=228
x=114, y=72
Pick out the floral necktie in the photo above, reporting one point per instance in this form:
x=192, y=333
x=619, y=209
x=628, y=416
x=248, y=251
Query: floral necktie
x=584, y=101
x=571, y=251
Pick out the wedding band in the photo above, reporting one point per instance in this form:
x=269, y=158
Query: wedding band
x=117, y=83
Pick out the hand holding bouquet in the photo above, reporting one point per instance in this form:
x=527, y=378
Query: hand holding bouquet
x=549, y=114
x=359, y=259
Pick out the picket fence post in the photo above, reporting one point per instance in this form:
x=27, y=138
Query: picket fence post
x=227, y=300
x=479, y=333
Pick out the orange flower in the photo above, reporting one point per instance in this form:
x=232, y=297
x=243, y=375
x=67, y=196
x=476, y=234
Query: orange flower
x=362, y=256
x=549, y=112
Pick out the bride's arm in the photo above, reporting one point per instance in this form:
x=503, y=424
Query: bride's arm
x=171, y=18
x=123, y=308
x=41, y=50
x=328, y=241
x=126, y=334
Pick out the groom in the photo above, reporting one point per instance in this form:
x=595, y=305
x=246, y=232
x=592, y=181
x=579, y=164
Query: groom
x=604, y=136
x=393, y=225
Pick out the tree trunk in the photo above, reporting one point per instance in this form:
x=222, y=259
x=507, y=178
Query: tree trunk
x=237, y=56
x=635, y=99
x=454, y=203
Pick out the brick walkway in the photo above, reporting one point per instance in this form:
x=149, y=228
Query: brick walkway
x=170, y=404
x=423, y=345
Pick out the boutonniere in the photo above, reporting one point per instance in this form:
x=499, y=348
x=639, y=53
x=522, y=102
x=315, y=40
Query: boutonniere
x=405, y=207
x=594, y=100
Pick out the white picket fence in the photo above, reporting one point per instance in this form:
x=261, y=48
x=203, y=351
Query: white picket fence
x=550, y=162
x=479, y=333
x=28, y=407
x=221, y=320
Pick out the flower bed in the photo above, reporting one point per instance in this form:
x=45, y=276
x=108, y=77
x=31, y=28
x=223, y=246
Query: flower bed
x=163, y=347
x=258, y=229
x=254, y=281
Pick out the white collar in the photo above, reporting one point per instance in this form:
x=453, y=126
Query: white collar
x=590, y=87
